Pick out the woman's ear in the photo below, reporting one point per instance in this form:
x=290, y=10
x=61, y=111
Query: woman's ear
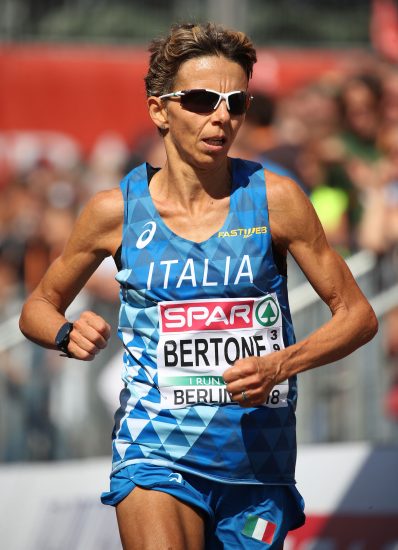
x=158, y=112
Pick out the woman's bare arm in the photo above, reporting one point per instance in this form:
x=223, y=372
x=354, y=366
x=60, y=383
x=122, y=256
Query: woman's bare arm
x=96, y=234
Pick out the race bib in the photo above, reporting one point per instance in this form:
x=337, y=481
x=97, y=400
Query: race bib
x=200, y=339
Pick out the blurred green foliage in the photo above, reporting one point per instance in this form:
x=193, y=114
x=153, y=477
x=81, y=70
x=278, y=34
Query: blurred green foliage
x=302, y=22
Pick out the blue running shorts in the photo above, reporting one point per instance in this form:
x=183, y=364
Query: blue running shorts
x=253, y=517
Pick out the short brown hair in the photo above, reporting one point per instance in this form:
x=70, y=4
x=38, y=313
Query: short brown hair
x=187, y=41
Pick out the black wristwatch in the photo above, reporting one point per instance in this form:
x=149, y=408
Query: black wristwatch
x=62, y=338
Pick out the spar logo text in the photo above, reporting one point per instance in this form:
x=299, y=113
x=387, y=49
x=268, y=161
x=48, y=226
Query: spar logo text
x=209, y=315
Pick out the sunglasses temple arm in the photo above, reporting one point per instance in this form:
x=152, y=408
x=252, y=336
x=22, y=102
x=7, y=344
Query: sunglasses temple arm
x=173, y=94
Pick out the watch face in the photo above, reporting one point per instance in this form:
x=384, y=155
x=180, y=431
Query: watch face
x=62, y=337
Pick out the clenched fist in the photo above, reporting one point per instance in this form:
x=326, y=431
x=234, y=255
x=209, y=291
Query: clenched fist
x=89, y=336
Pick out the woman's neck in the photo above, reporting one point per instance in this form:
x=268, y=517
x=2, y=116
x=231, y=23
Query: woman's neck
x=185, y=184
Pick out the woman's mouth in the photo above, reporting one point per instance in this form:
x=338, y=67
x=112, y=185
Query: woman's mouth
x=215, y=142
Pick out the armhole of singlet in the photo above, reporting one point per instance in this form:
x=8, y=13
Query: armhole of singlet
x=118, y=258
x=280, y=260
x=150, y=171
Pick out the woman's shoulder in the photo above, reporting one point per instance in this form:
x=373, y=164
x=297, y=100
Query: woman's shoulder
x=106, y=204
x=103, y=213
x=282, y=189
x=292, y=216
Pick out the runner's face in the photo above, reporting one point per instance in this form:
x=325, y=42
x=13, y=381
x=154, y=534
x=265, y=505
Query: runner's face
x=203, y=139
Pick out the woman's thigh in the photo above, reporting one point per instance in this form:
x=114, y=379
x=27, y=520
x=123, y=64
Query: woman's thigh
x=150, y=519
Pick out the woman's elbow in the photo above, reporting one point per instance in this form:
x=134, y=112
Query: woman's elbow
x=26, y=319
x=370, y=325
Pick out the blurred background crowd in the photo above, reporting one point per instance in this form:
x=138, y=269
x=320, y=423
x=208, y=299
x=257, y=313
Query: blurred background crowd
x=336, y=136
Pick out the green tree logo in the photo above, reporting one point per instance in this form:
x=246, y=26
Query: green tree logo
x=267, y=312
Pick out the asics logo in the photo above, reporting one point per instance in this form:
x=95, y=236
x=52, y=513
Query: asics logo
x=175, y=477
x=146, y=236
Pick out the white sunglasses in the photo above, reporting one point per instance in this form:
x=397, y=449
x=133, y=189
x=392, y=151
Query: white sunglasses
x=203, y=101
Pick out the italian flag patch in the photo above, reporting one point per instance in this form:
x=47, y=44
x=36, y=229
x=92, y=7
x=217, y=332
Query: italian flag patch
x=259, y=529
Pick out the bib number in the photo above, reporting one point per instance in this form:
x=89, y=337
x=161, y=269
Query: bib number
x=199, y=340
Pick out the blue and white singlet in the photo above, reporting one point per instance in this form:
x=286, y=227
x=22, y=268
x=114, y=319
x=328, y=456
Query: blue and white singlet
x=188, y=312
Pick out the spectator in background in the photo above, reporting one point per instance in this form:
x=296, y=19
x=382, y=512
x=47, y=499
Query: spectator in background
x=331, y=203
x=360, y=102
x=379, y=224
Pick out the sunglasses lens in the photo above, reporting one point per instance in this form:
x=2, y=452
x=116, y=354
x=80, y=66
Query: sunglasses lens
x=238, y=103
x=203, y=101
x=199, y=101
